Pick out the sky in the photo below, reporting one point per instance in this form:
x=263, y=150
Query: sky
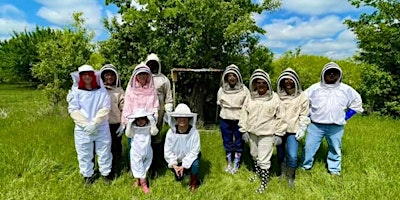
x=314, y=26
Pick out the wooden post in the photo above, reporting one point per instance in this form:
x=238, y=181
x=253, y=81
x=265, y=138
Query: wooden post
x=174, y=76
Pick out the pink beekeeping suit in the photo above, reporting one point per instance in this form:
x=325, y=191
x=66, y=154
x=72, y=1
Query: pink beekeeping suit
x=138, y=96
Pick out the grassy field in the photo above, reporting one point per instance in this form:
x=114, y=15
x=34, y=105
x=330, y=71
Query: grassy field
x=38, y=161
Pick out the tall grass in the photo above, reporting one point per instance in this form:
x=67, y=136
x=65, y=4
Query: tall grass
x=38, y=161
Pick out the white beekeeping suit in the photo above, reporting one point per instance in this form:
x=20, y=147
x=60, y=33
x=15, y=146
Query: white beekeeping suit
x=182, y=148
x=141, y=153
x=89, y=109
x=163, y=87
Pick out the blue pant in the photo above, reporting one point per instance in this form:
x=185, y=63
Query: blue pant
x=290, y=146
x=230, y=129
x=194, y=169
x=333, y=134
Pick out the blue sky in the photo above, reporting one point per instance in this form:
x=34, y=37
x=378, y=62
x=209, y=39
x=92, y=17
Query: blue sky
x=316, y=26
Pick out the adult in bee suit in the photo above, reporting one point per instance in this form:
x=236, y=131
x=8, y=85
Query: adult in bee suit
x=112, y=83
x=297, y=108
x=332, y=104
x=230, y=98
x=89, y=105
x=263, y=122
x=163, y=87
x=141, y=154
x=164, y=93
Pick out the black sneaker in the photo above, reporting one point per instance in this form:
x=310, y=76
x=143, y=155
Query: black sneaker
x=88, y=181
x=108, y=179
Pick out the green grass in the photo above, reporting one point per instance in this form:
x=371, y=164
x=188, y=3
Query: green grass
x=38, y=161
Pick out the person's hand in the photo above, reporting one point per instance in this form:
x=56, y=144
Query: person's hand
x=277, y=140
x=121, y=130
x=245, y=137
x=168, y=107
x=178, y=170
x=300, y=134
x=90, y=129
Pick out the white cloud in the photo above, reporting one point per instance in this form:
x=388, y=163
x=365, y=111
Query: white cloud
x=7, y=26
x=343, y=46
x=296, y=28
x=10, y=11
x=60, y=12
x=326, y=36
x=317, y=7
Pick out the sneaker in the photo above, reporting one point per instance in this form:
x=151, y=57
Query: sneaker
x=108, y=179
x=335, y=173
x=88, y=181
x=305, y=169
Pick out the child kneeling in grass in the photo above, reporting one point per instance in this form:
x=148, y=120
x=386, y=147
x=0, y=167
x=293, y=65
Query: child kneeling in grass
x=182, y=145
x=141, y=126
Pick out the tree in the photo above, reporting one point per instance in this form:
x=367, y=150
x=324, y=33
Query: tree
x=61, y=55
x=379, y=40
x=19, y=54
x=187, y=34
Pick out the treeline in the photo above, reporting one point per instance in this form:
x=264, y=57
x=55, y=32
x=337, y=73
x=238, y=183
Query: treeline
x=203, y=34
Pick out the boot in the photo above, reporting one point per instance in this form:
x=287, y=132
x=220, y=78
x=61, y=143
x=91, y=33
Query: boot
x=283, y=170
x=236, y=163
x=143, y=184
x=193, y=182
x=291, y=176
x=256, y=170
x=229, y=160
x=264, y=175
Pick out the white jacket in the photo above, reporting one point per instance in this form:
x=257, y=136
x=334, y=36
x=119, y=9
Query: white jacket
x=181, y=148
x=296, y=105
x=231, y=99
x=262, y=115
x=329, y=102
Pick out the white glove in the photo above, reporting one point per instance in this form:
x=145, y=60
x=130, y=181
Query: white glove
x=301, y=132
x=121, y=130
x=168, y=107
x=90, y=129
x=246, y=137
x=153, y=130
x=277, y=140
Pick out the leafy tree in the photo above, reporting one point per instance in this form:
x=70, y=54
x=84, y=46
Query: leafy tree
x=379, y=40
x=188, y=34
x=69, y=49
x=19, y=54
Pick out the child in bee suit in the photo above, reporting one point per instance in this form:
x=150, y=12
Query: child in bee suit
x=112, y=83
x=230, y=98
x=140, y=93
x=182, y=144
x=89, y=105
x=141, y=126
